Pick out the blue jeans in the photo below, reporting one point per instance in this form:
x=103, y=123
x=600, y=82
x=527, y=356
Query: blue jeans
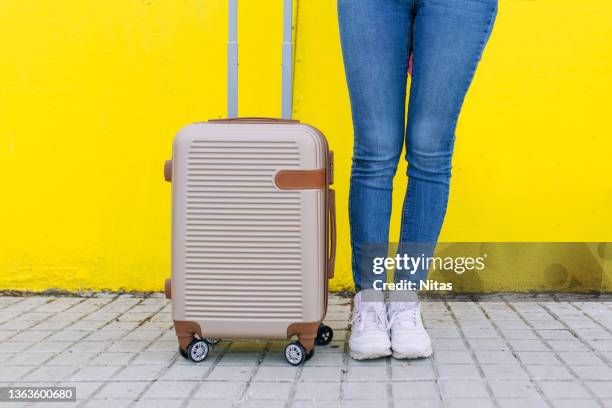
x=447, y=38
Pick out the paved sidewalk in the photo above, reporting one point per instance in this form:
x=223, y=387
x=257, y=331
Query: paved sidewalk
x=499, y=352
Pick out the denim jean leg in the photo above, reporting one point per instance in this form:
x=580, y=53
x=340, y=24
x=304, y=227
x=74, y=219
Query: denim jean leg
x=375, y=36
x=449, y=38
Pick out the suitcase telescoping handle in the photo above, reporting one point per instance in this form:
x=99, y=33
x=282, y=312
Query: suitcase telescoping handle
x=287, y=61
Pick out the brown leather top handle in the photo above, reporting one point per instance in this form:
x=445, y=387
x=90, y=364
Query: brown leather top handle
x=253, y=119
x=331, y=263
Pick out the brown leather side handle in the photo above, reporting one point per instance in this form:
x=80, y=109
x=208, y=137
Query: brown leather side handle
x=168, y=170
x=330, y=167
x=331, y=263
x=253, y=119
x=168, y=288
x=300, y=179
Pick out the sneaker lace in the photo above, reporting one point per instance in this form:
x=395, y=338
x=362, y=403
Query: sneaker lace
x=372, y=315
x=405, y=317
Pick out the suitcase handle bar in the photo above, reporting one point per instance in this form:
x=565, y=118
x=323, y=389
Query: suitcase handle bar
x=286, y=60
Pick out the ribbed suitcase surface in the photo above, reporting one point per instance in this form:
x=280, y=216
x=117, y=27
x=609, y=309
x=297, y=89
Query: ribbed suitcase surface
x=243, y=238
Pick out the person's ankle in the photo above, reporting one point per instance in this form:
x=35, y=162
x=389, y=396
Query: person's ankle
x=405, y=298
x=370, y=296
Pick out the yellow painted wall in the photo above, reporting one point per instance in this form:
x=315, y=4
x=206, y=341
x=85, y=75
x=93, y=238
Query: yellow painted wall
x=92, y=92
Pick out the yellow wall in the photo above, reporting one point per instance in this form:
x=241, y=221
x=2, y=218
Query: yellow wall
x=92, y=92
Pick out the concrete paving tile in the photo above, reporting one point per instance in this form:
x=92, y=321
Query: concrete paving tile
x=579, y=358
x=513, y=334
x=240, y=358
x=597, y=372
x=415, y=390
x=504, y=371
x=160, y=403
x=321, y=374
x=458, y=371
x=488, y=344
x=169, y=389
x=364, y=390
x=514, y=389
x=563, y=389
x=275, y=373
x=261, y=404
x=134, y=373
x=562, y=334
x=71, y=358
x=220, y=390
x=93, y=373
x=538, y=357
x=522, y=403
x=112, y=358
x=470, y=403
x=527, y=345
x=44, y=345
x=317, y=391
x=567, y=345
x=122, y=390
x=103, y=403
x=326, y=359
x=367, y=373
x=154, y=357
x=234, y=373
x=128, y=346
x=495, y=357
x=601, y=389
x=548, y=372
x=186, y=373
x=46, y=373
x=418, y=403
x=582, y=403
x=29, y=359
x=452, y=357
x=268, y=391
x=13, y=373
x=448, y=344
x=453, y=389
x=412, y=372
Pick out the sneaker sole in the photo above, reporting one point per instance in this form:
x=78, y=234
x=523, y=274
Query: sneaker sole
x=408, y=356
x=368, y=356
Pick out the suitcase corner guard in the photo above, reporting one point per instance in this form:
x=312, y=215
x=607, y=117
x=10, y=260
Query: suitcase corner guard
x=186, y=331
x=306, y=332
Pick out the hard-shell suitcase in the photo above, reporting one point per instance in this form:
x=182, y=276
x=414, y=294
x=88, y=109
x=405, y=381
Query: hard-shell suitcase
x=253, y=226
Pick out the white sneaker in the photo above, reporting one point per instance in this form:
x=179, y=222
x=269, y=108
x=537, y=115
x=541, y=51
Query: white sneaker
x=409, y=339
x=369, y=334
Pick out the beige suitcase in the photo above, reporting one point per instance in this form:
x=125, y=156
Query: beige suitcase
x=253, y=230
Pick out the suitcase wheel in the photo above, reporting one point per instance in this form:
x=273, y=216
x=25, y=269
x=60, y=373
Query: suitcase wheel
x=197, y=350
x=309, y=354
x=325, y=334
x=212, y=340
x=295, y=353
